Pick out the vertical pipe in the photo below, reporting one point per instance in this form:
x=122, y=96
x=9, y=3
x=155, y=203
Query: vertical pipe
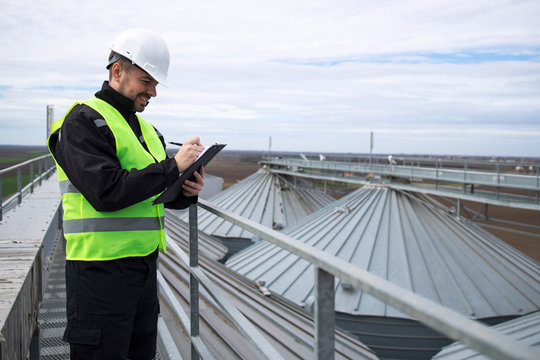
x=31, y=178
x=193, y=282
x=325, y=318
x=498, y=180
x=19, y=185
x=464, y=179
x=537, y=183
x=40, y=169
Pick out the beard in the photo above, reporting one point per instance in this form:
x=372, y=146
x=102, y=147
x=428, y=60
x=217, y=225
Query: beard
x=140, y=100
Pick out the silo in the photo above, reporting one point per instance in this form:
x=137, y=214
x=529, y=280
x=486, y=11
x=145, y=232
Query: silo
x=411, y=241
x=524, y=330
x=267, y=198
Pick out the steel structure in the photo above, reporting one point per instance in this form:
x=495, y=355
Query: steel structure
x=446, y=321
x=327, y=268
x=408, y=239
x=270, y=199
x=467, y=178
x=45, y=165
x=525, y=330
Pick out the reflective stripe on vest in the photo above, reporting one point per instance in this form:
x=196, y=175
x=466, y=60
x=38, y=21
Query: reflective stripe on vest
x=112, y=224
x=133, y=231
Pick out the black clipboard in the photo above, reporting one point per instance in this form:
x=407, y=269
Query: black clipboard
x=172, y=191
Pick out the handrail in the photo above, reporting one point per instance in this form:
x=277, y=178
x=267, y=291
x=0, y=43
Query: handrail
x=27, y=162
x=197, y=277
x=495, y=178
x=449, y=322
x=45, y=168
x=43, y=172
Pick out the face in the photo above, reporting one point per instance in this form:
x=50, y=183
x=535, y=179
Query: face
x=134, y=84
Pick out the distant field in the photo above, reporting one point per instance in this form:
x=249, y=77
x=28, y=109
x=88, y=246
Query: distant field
x=12, y=155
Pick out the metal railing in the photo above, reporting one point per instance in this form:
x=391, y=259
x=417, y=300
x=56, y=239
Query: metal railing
x=501, y=187
x=466, y=175
x=444, y=320
x=45, y=165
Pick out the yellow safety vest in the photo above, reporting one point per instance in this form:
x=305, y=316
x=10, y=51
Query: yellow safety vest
x=105, y=235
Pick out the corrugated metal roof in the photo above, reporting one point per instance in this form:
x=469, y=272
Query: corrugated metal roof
x=267, y=198
x=525, y=329
x=289, y=329
x=179, y=230
x=410, y=241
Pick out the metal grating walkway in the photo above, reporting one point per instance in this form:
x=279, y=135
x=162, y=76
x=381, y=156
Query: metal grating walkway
x=52, y=312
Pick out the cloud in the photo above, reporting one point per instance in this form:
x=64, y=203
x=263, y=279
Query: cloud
x=427, y=77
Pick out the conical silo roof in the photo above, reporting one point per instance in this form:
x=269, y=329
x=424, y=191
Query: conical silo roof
x=524, y=330
x=265, y=197
x=408, y=240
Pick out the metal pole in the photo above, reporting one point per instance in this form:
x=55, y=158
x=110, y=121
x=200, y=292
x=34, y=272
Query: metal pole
x=498, y=180
x=193, y=282
x=325, y=318
x=19, y=185
x=437, y=174
x=537, y=183
x=464, y=179
x=50, y=120
x=40, y=170
x=31, y=178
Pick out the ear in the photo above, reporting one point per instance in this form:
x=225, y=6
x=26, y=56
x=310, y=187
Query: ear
x=116, y=72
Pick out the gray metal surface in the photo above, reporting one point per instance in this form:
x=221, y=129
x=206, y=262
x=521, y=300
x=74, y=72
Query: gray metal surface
x=525, y=329
x=52, y=312
x=179, y=230
x=464, y=175
x=453, y=182
x=21, y=234
x=264, y=197
x=213, y=185
x=445, y=320
x=287, y=328
x=409, y=241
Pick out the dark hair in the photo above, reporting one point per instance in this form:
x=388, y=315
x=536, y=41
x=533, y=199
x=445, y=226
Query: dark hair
x=117, y=58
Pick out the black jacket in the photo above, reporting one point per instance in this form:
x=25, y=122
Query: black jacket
x=87, y=153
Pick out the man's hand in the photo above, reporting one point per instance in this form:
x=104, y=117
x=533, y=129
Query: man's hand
x=194, y=188
x=188, y=153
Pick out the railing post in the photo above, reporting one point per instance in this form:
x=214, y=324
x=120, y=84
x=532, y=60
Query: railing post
x=465, y=167
x=325, y=317
x=193, y=282
x=19, y=185
x=537, y=183
x=31, y=178
x=40, y=170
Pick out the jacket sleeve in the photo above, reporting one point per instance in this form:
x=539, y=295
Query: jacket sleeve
x=87, y=153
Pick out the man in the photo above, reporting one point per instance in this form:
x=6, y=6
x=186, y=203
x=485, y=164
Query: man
x=111, y=165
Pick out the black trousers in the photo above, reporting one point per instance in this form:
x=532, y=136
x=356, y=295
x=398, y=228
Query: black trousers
x=112, y=308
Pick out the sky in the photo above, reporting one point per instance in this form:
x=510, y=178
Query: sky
x=425, y=76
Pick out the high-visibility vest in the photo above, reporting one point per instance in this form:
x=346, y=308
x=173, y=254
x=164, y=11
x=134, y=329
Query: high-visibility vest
x=136, y=230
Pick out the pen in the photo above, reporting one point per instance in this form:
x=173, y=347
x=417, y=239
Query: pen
x=175, y=143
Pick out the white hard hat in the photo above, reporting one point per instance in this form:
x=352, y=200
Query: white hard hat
x=146, y=49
